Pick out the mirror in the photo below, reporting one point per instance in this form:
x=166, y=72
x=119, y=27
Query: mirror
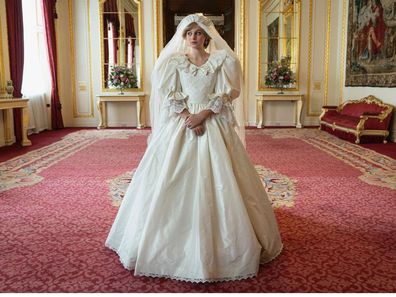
x=279, y=31
x=121, y=40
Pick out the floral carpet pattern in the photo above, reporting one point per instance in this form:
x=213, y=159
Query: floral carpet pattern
x=339, y=235
x=377, y=169
x=24, y=170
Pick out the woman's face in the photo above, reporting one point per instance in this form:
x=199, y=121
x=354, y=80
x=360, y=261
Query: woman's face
x=195, y=37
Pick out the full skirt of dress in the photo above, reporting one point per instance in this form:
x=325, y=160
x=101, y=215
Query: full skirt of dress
x=195, y=209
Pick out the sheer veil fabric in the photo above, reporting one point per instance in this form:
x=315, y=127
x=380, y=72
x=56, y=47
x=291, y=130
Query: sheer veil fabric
x=177, y=45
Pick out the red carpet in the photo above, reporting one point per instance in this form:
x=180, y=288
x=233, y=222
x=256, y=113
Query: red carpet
x=38, y=140
x=334, y=202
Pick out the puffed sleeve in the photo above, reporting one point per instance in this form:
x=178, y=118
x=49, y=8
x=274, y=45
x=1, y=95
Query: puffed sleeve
x=170, y=86
x=227, y=88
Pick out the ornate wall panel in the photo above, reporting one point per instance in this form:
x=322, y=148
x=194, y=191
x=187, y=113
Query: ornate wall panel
x=80, y=57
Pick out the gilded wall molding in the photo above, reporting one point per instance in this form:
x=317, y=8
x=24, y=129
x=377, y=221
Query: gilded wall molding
x=259, y=47
x=141, y=48
x=326, y=57
x=2, y=69
x=91, y=99
x=242, y=49
x=309, y=113
x=259, y=68
x=158, y=31
x=72, y=61
x=343, y=50
x=242, y=30
x=327, y=53
x=141, y=45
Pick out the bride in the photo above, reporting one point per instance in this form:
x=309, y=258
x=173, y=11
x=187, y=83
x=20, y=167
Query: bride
x=196, y=209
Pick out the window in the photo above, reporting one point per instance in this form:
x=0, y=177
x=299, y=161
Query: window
x=36, y=83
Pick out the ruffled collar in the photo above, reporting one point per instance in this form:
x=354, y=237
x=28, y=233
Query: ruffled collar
x=210, y=66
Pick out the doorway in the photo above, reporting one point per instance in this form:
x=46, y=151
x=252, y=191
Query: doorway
x=221, y=12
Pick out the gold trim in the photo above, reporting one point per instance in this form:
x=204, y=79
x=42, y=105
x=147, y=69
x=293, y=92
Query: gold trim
x=242, y=42
x=141, y=50
x=259, y=70
x=242, y=50
x=260, y=87
x=327, y=52
x=2, y=71
x=101, y=44
x=72, y=61
x=157, y=35
x=90, y=60
x=299, y=46
x=141, y=44
x=359, y=131
x=309, y=113
x=356, y=131
x=371, y=100
x=342, y=68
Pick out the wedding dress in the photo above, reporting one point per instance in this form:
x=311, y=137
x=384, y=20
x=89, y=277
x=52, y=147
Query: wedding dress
x=196, y=209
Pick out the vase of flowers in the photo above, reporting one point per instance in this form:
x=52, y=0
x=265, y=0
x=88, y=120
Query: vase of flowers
x=279, y=74
x=122, y=78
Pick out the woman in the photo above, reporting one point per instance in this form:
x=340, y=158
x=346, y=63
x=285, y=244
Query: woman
x=196, y=209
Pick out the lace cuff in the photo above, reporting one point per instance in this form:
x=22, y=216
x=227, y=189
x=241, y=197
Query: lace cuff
x=217, y=101
x=176, y=101
x=177, y=106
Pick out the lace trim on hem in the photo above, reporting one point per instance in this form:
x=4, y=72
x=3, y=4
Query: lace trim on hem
x=127, y=267
x=185, y=279
x=198, y=280
x=193, y=280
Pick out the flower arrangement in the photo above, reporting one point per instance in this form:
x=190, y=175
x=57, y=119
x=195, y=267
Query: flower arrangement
x=279, y=74
x=122, y=77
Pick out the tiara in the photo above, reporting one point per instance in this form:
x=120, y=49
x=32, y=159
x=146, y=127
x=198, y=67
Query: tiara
x=198, y=18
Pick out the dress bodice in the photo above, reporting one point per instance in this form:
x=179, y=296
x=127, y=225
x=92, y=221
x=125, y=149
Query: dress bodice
x=198, y=82
x=212, y=85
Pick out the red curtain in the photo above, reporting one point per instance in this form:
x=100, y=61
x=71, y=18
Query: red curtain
x=16, y=54
x=49, y=16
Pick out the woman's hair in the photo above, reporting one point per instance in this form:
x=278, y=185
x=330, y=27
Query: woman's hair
x=190, y=26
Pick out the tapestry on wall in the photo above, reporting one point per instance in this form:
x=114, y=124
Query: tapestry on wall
x=371, y=51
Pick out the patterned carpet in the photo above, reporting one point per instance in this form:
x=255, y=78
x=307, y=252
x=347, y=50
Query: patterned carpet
x=334, y=201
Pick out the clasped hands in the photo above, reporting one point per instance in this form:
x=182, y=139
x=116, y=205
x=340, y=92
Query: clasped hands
x=195, y=121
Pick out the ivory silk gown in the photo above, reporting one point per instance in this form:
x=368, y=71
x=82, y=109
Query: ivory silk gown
x=196, y=209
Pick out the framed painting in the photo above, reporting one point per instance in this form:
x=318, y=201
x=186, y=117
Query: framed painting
x=371, y=50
